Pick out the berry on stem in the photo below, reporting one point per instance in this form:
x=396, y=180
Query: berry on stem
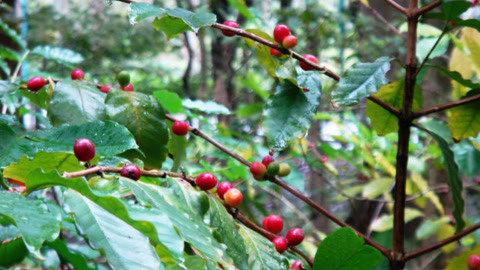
x=129, y=87
x=267, y=160
x=84, y=149
x=233, y=197
x=258, y=169
x=222, y=188
x=273, y=168
x=123, y=78
x=310, y=58
x=284, y=169
x=105, y=88
x=275, y=52
x=231, y=24
x=280, y=244
x=131, y=171
x=36, y=83
x=206, y=181
x=180, y=128
x=295, y=236
x=280, y=32
x=289, y=42
x=273, y=223
x=297, y=265
x=77, y=74
x=473, y=262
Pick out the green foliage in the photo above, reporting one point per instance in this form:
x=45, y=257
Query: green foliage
x=58, y=54
x=12, y=252
x=464, y=120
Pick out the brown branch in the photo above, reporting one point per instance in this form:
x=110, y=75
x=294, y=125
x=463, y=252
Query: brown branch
x=428, y=7
x=102, y=169
x=383, y=20
x=397, y=6
x=445, y=106
x=427, y=249
x=385, y=105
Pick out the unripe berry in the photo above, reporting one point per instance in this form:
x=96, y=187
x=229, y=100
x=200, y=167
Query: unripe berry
x=280, y=244
x=180, y=128
x=123, y=78
x=284, y=169
x=273, y=223
x=297, y=265
x=295, y=236
x=206, y=181
x=233, y=197
x=77, y=74
x=222, y=188
x=84, y=149
x=275, y=52
x=280, y=32
x=129, y=87
x=231, y=24
x=131, y=171
x=105, y=88
x=473, y=262
x=273, y=168
x=289, y=42
x=310, y=58
x=267, y=160
x=257, y=168
x=36, y=83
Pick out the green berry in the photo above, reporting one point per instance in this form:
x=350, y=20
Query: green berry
x=284, y=169
x=123, y=78
x=273, y=168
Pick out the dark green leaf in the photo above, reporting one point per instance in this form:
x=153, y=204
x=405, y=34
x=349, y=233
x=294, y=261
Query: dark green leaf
x=474, y=23
x=453, y=8
x=454, y=75
x=12, y=252
x=360, y=81
x=467, y=157
x=67, y=255
x=12, y=34
x=169, y=100
x=140, y=11
x=58, y=54
x=464, y=120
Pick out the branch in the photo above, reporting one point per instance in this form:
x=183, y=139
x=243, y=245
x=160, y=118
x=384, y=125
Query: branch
x=445, y=106
x=383, y=20
x=397, y=6
x=421, y=251
x=385, y=105
x=427, y=8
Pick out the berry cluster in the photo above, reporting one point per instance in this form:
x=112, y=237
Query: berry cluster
x=269, y=167
x=274, y=224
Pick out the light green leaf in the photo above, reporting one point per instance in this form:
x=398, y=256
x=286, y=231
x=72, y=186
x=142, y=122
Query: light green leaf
x=140, y=11
x=58, y=54
x=169, y=100
x=464, y=120
x=430, y=227
x=385, y=222
x=179, y=20
x=209, y=106
x=377, y=187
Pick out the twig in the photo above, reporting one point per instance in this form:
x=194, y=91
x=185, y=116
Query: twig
x=428, y=7
x=432, y=49
x=445, y=106
x=385, y=105
x=383, y=20
x=97, y=169
x=397, y=6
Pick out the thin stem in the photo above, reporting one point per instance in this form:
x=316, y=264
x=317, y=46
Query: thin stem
x=432, y=49
x=100, y=169
x=445, y=106
x=20, y=63
x=385, y=105
x=397, y=6
x=428, y=7
x=384, y=21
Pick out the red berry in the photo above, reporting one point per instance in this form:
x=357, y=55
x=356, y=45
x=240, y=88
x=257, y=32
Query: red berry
x=206, y=181
x=273, y=224
x=84, y=149
x=129, y=87
x=305, y=90
x=231, y=24
x=310, y=58
x=297, y=265
x=131, y=171
x=257, y=168
x=289, y=42
x=233, y=197
x=77, y=74
x=280, y=32
x=280, y=244
x=323, y=159
x=105, y=88
x=267, y=160
x=473, y=262
x=222, y=188
x=453, y=23
x=275, y=52
x=36, y=83
x=180, y=128
x=295, y=236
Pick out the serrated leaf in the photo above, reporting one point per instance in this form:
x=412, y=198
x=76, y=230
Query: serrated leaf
x=140, y=11
x=179, y=20
x=344, y=250
x=360, y=81
x=288, y=114
x=145, y=119
x=464, y=120
x=262, y=252
x=58, y=54
x=76, y=102
x=169, y=100
x=12, y=252
x=77, y=260
x=385, y=222
x=124, y=246
x=32, y=218
x=208, y=106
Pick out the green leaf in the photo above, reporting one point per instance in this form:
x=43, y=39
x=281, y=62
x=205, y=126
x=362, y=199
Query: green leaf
x=124, y=246
x=140, y=11
x=377, y=187
x=66, y=254
x=360, y=81
x=424, y=46
x=453, y=9
x=179, y=20
x=430, y=227
x=12, y=34
x=454, y=181
x=454, y=75
x=58, y=54
x=247, y=110
x=383, y=122
x=39, y=98
x=288, y=114
x=209, y=106
x=32, y=218
x=464, y=120
x=177, y=146
x=145, y=119
x=242, y=8
x=287, y=71
x=12, y=252
x=460, y=262
x=76, y=102
x=266, y=59
x=262, y=254
x=7, y=88
x=196, y=202
x=385, y=222
x=344, y=250
x=169, y=100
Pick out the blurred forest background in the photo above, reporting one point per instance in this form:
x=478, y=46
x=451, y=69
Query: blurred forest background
x=341, y=163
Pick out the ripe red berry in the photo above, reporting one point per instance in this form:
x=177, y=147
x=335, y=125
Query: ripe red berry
x=231, y=24
x=206, y=181
x=473, y=262
x=273, y=223
x=233, y=197
x=267, y=160
x=129, y=87
x=131, y=171
x=297, y=265
x=180, y=128
x=77, y=74
x=310, y=58
x=36, y=83
x=105, y=88
x=323, y=159
x=295, y=236
x=257, y=168
x=305, y=90
x=223, y=187
x=84, y=149
x=275, y=52
x=280, y=32
x=289, y=42
x=280, y=244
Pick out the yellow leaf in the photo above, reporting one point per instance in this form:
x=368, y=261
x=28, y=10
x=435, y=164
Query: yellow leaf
x=422, y=185
x=445, y=231
x=365, y=2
